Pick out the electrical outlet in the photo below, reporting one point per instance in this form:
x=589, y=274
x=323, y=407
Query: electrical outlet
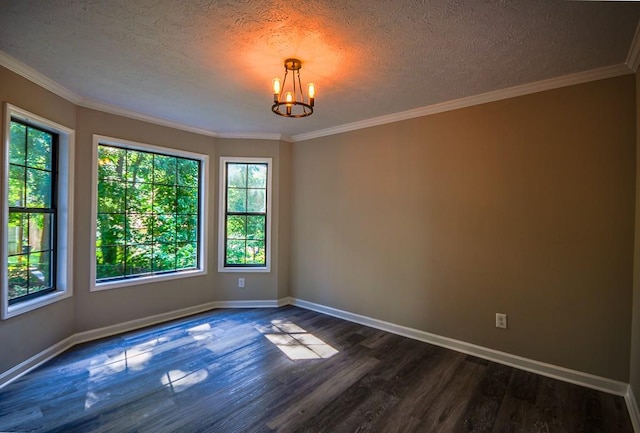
x=241, y=282
x=501, y=320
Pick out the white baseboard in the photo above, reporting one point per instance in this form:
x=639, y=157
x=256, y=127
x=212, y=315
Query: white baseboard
x=544, y=369
x=119, y=328
x=35, y=361
x=247, y=304
x=634, y=411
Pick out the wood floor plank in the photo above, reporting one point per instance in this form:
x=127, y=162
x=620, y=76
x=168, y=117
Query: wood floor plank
x=224, y=372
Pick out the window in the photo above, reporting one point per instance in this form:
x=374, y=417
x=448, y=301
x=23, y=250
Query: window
x=148, y=213
x=32, y=211
x=245, y=214
x=37, y=211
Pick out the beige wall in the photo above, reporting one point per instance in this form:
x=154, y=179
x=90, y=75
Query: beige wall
x=523, y=206
x=259, y=285
x=24, y=336
x=635, y=333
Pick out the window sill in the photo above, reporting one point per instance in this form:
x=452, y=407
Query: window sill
x=108, y=285
x=32, y=304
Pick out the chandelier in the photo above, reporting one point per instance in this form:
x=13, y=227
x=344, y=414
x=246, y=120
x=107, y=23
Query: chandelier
x=288, y=98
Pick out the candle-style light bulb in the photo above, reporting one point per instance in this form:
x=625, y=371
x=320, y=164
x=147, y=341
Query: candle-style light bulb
x=276, y=89
x=288, y=97
x=312, y=93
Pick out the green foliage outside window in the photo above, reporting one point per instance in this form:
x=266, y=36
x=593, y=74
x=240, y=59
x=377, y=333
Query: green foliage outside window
x=148, y=213
x=30, y=239
x=246, y=214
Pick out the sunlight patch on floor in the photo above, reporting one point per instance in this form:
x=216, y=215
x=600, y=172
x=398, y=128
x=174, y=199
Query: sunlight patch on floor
x=201, y=332
x=134, y=358
x=179, y=380
x=295, y=342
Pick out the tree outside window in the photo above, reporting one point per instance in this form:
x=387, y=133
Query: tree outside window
x=148, y=213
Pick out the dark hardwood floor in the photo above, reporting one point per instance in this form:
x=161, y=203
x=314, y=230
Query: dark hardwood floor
x=291, y=370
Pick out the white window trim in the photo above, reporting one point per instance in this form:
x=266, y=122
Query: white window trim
x=204, y=181
x=64, y=223
x=222, y=212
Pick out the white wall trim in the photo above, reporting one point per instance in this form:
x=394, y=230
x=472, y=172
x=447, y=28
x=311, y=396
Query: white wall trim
x=35, y=361
x=247, y=304
x=36, y=77
x=119, y=328
x=497, y=95
x=632, y=406
x=544, y=369
x=252, y=135
x=119, y=111
x=633, y=57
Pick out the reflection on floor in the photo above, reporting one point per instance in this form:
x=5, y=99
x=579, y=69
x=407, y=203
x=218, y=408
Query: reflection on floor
x=290, y=370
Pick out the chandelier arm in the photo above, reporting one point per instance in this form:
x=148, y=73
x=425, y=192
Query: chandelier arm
x=300, y=88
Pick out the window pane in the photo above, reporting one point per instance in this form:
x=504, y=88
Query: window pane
x=109, y=262
x=139, y=166
x=17, y=234
x=39, y=147
x=235, y=252
x=17, y=143
x=187, y=226
x=139, y=229
x=187, y=255
x=236, y=200
x=164, y=200
x=165, y=229
x=39, y=271
x=110, y=197
x=187, y=200
x=255, y=227
x=40, y=232
x=164, y=257
x=18, y=276
x=255, y=252
x=139, y=197
x=111, y=162
x=237, y=175
x=110, y=229
x=38, y=188
x=257, y=176
x=164, y=170
x=188, y=172
x=16, y=186
x=256, y=200
x=139, y=259
x=236, y=227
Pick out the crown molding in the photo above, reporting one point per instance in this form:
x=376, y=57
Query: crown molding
x=112, y=109
x=633, y=57
x=36, y=77
x=253, y=136
x=631, y=65
x=497, y=95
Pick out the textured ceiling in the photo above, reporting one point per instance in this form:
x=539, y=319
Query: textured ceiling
x=209, y=64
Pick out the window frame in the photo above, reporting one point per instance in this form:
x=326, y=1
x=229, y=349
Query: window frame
x=203, y=223
x=222, y=214
x=63, y=223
